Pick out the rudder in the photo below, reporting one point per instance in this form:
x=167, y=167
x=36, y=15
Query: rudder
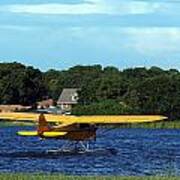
x=43, y=125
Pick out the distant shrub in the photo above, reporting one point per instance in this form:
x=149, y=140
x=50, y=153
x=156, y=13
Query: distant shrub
x=107, y=107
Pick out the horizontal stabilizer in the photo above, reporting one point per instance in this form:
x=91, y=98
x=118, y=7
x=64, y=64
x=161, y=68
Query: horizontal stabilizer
x=45, y=134
x=53, y=134
x=27, y=133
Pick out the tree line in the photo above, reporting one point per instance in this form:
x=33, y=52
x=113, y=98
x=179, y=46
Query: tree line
x=105, y=90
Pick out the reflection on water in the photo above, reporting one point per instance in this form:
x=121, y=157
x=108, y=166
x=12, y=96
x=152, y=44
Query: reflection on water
x=118, y=152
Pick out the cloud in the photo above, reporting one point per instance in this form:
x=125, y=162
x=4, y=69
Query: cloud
x=161, y=1
x=87, y=7
x=116, y=45
x=17, y=27
x=145, y=41
x=153, y=41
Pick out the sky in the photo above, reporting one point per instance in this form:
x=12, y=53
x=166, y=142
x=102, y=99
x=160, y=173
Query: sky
x=63, y=33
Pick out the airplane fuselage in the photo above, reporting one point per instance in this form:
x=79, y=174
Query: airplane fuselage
x=74, y=133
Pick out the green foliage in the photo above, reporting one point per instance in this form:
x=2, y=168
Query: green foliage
x=106, y=107
x=157, y=95
x=75, y=77
x=20, y=84
x=54, y=81
x=103, y=90
x=110, y=85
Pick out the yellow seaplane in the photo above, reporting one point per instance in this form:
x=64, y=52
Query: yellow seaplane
x=77, y=129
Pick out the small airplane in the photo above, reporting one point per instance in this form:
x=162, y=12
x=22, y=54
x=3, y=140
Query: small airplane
x=76, y=129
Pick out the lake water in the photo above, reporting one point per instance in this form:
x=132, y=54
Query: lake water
x=133, y=152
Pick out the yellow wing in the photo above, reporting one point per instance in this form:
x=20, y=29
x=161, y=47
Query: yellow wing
x=120, y=119
x=33, y=117
x=19, y=116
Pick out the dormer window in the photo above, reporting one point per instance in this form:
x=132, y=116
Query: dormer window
x=75, y=97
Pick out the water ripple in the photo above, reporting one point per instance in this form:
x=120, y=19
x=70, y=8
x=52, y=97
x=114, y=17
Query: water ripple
x=123, y=152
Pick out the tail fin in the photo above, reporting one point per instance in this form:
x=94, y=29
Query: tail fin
x=43, y=125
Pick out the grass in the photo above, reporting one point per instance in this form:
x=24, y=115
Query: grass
x=61, y=177
x=8, y=124
x=157, y=125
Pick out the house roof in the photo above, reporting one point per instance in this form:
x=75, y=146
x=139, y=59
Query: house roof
x=68, y=96
x=47, y=102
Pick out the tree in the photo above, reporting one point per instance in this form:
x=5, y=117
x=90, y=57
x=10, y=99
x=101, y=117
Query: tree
x=20, y=84
x=106, y=107
x=157, y=95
